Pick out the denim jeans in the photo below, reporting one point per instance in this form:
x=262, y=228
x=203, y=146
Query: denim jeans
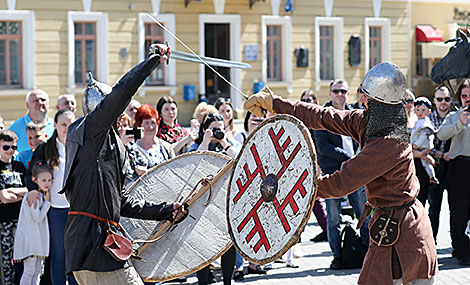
x=357, y=200
x=57, y=218
x=238, y=260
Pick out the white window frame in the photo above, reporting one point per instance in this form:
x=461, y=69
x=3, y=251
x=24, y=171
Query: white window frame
x=384, y=23
x=101, y=20
x=235, y=52
x=168, y=20
x=338, y=24
x=27, y=43
x=286, y=27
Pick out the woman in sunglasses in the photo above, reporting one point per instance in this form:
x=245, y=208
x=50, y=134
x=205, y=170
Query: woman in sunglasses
x=12, y=191
x=225, y=109
x=52, y=153
x=408, y=101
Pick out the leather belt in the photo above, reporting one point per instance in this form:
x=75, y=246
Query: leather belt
x=80, y=213
x=368, y=209
x=406, y=205
x=463, y=157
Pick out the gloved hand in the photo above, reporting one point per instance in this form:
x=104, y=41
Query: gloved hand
x=260, y=101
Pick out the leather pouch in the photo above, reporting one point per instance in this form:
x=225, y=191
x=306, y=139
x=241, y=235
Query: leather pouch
x=117, y=245
x=385, y=231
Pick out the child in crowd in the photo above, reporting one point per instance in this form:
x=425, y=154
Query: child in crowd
x=36, y=134
x=12, y=191
x=32, y=233
x=422, y=134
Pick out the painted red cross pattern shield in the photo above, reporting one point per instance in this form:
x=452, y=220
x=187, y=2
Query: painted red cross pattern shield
x=272, y=189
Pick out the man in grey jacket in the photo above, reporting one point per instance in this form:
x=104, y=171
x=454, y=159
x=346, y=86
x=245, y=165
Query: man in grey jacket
x=94, y=177
x=456, y=126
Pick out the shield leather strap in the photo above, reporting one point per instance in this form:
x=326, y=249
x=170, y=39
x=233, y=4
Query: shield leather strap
x=198, y=240
x=272, y=189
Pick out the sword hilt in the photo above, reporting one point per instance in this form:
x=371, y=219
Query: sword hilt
x=167, y=53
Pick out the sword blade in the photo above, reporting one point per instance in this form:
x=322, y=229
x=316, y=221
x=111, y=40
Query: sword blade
x=181, y=55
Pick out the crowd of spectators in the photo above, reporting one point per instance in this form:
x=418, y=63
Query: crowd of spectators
x=152, y=135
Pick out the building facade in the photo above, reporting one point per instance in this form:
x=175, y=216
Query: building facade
x=433, y=22
x=291, y=45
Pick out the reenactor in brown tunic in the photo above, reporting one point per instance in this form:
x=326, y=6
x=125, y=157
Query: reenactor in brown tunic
x=402, y=246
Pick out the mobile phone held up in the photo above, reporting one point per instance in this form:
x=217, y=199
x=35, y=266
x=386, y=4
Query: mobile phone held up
x=137, y=132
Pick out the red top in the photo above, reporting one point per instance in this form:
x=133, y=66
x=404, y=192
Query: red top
x=171, y=134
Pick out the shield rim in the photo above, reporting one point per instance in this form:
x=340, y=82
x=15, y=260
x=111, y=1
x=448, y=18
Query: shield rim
x=296, y=236
x=153, y=169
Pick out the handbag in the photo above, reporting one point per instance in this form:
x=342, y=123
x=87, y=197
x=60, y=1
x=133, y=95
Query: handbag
x=351, y=251
x=117, y=245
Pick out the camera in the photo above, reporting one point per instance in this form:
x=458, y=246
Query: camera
x=218, y=133
x=137, y=132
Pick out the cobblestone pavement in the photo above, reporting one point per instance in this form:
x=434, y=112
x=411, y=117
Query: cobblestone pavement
x=316, y=258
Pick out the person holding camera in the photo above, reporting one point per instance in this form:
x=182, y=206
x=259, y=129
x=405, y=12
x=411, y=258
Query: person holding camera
x=148, y=150
x=212, y=136
x=456, y=126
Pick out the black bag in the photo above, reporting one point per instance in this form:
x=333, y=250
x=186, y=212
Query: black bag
x=351, y=251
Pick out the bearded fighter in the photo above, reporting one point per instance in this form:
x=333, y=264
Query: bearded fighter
x=93, y=180
x=402, y=248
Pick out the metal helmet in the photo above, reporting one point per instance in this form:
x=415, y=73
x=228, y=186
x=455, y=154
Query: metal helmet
x=93, y=94
x=385, y=83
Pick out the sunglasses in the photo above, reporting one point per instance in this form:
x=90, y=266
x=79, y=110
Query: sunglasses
x=308, y=100
x=7, y=147
x=337, y=91
x=465, y=95
x=447, y=99
x=408, y=101
x=222, y=100
x=212, y=117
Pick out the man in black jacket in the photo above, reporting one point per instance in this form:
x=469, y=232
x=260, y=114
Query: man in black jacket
x=332, y=151
x=93, y=182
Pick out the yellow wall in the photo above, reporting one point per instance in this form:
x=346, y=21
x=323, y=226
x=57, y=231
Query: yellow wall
x=51, y=51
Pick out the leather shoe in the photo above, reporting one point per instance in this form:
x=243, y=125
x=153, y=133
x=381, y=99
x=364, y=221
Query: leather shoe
x=256, y=270
x=336, y=264
x=320, y=237
x=291, y=265
x=238, y=275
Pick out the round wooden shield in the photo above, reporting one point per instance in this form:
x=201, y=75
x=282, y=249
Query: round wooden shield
x=198, y=240
x=272, y=189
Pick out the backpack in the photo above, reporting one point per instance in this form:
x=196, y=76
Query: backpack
x=352, y=251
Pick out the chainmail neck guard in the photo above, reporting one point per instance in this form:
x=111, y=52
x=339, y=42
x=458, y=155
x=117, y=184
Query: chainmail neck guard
x=386, y=120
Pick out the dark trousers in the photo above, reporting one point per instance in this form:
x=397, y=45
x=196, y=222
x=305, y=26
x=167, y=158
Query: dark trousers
x=435, y=194
x=320, y=213
x=228, y=265
x=458, y=179
x=423, y=178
